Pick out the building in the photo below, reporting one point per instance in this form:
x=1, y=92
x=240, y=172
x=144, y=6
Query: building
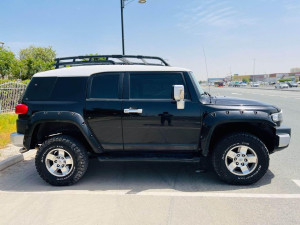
x=295, y=70
x=241, y=77
x=212, y=80
x=274, y=77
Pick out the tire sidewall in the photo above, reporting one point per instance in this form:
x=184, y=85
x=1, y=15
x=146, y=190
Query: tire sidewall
x=41, y=160
x=256, y=145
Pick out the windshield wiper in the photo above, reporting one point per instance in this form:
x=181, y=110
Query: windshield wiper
x=206, y=93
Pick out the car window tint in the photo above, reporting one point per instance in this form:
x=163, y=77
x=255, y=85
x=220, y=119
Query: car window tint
x=69, y=88
x=40, y=88
x=105, y=86
x=154, y=85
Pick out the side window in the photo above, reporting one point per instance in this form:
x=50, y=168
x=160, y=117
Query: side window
x=105, y=86
x=69, y=88
x=155, y=85
x=40, y=88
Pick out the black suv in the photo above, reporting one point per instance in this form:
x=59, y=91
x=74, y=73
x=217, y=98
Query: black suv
x=122, y=109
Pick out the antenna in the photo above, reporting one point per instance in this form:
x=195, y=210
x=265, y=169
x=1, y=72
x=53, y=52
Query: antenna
x=206, y=72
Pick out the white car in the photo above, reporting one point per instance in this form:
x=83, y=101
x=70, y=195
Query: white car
x=281, y=85
x=255, y=84
x=292, y=84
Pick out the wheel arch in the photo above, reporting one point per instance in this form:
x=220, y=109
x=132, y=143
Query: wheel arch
x=46, y=124
x=217, y=124
x=262, y=130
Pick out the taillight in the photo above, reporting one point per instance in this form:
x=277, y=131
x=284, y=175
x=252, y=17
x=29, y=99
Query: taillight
x=21, y=109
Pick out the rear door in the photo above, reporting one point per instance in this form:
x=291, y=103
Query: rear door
x=104, y=109
x=151, y=120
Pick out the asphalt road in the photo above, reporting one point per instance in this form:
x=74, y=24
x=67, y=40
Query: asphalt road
x=162, y=193
x=273, y=87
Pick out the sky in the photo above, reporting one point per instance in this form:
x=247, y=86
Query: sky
x=232, y=34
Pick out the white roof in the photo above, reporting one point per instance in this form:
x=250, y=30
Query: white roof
x=92, y=69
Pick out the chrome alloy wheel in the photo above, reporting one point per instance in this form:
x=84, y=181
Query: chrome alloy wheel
x=59, y=162
x=241, y=160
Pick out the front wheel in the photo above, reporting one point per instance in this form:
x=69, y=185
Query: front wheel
x=61, y=160
x=240, y=158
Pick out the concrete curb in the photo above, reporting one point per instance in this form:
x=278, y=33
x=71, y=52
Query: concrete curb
x=16, y=159
x=11, y=161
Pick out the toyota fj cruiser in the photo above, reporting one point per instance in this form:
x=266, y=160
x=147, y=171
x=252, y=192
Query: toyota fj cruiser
x=133, y=108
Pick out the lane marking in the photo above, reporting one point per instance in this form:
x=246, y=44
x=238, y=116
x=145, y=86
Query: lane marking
x=236, y=94
x=158, y=194
x=297, y=182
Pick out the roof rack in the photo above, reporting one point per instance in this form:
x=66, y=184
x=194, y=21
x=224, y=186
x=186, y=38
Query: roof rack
x=108, y=60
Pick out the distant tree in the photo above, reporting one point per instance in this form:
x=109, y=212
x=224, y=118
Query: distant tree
x=35, y=59
x=286, y=79
x=245, y=80
x=16, y=70
x=94, y=59
x=7, y=62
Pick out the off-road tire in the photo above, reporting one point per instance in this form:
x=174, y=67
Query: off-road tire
x=74, y=148
x=236, y=139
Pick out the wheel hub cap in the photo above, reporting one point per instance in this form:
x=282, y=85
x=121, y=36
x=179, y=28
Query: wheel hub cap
x=241, y=160
x=59, y=162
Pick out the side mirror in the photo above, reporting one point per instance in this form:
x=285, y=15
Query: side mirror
x=179, y=95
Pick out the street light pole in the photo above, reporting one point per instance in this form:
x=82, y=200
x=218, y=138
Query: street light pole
x=122, y=24
x=254, y=70
x=122, y=20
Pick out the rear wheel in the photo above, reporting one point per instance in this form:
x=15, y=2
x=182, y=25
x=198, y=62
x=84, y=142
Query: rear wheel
x=240, y=158
x=61, y=160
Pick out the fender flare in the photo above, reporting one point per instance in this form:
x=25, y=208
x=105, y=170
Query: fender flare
x=214, y=119
x=61, y=116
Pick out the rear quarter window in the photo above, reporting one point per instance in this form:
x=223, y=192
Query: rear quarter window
x=40, y=88
x=56, y=88
x=69, y=89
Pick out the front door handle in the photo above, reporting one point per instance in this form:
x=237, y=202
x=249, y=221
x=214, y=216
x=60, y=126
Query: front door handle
x=131, y=110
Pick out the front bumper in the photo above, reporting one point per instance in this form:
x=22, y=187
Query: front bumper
x=17, y=139
x=283, y=137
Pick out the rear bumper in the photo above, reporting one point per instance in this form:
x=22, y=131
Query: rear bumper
x=283, y=137
x=17, y=139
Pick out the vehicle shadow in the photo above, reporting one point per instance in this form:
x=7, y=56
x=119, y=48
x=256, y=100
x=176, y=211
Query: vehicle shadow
x=133, y=177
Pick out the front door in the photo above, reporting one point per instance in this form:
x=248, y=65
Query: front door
x=151, y=120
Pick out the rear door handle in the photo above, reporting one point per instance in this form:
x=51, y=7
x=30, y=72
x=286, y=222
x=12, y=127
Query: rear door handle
x=130, y=110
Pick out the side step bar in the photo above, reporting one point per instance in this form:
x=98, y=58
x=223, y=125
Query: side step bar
x=150, y=157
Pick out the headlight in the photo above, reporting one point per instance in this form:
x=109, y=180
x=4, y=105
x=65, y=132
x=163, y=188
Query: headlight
x=277, y=117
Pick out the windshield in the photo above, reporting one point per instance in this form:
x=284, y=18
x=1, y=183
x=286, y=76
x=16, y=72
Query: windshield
x=201, y=92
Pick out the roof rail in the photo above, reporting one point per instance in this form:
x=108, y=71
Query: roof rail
x=107, y=60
